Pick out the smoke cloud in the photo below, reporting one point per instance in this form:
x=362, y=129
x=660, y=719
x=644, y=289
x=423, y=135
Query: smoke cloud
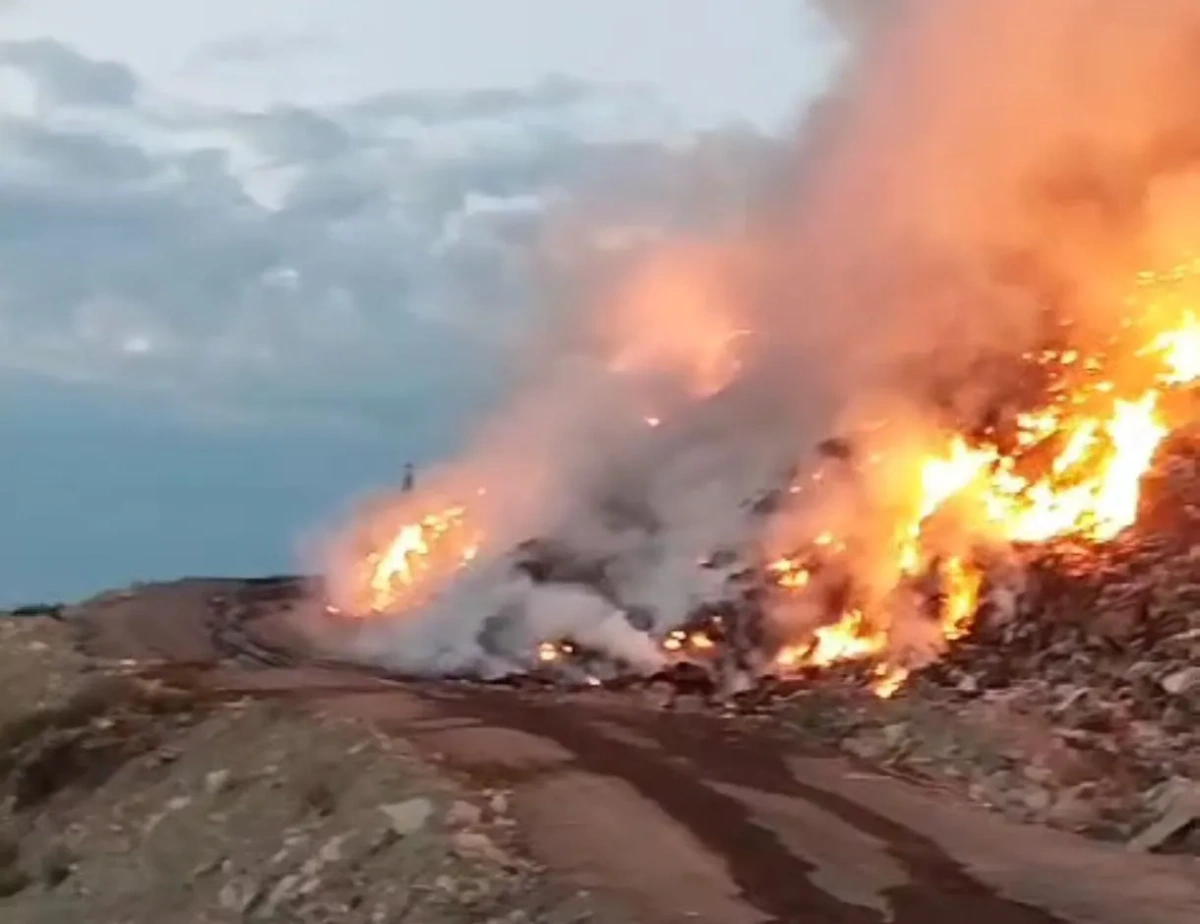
x=976, y=170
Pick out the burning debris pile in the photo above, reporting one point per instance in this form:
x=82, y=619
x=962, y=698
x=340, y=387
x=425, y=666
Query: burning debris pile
x=994, y=523
x=953, y=287
x=1101, y=647
x=1118, y=617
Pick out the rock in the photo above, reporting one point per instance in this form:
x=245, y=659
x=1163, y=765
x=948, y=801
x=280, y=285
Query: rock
x=10, y=852
x=498, y=804
x=1179, y=804
x=1073, y=809
x=57, y=865
x=408, y=817
x=319, y=797
x=867, y=744
x=463, y=815
x=475, y=845
x=166, y=755
x=895, y=735
x=1036, y=801
x=216, y=782
x=331, y=850
x=1038, y=774
x=1181, y=682
x=1117, y=624
x=282, y=891
x=238, y=895
x=13, y=881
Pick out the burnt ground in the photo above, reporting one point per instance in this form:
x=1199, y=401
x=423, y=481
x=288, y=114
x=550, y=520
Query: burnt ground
x=281, y=787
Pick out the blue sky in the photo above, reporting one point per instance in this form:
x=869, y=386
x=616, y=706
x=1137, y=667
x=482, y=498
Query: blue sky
x=253, y=256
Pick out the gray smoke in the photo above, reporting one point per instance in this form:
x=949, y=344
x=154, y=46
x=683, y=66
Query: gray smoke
x=974, y=165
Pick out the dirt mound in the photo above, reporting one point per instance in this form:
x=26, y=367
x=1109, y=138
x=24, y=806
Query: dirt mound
x=171, y=792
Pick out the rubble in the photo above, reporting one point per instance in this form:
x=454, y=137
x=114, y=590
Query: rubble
x=408, y=817
x=1078, y=707
x=1180, y=805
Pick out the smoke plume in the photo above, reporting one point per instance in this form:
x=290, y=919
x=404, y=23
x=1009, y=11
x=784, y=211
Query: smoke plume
x=976, y=172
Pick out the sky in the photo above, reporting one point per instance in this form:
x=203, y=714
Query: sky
x=255, y=256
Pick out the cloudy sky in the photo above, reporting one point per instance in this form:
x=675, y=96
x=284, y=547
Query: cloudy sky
x=253, y=256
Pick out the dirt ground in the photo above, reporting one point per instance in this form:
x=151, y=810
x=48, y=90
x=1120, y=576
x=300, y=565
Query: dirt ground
x=131, y=797
x=168, y=756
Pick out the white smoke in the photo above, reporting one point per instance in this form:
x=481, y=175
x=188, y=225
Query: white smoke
x=975, y=164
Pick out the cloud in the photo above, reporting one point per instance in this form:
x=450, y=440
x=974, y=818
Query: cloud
x=250, y=47
x=554, y=92
x=375, y=261
x=292, y=133
x=34, y=148
x=64, y=76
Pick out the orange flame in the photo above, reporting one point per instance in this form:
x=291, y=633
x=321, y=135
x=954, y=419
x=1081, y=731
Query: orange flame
x=1075, y=472
x=438, y=542
x=1072, y=469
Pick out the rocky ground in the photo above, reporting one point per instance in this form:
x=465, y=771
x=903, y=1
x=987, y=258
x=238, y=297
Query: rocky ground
x=174, y=753
x=1010, y=752
x=134, y=794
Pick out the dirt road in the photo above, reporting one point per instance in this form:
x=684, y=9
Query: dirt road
x=684, y=816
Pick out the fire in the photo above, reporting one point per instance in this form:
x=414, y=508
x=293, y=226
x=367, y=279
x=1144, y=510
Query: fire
x=848, y=640
x=675, y=640
x=790, y=573
x=438, y=542
x=1071, y=470
x=962, y=584
x=701, y=642
x=1067, y=468
x=888, y=680
x=1180, y=352
x=676, y=316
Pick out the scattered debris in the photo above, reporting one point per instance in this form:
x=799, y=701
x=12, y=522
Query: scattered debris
x=408, y=817
x=1180, y=802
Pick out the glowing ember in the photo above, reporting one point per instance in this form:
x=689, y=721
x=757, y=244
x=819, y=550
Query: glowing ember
x=888, y=680
x=700, y=641
x=789, y=573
